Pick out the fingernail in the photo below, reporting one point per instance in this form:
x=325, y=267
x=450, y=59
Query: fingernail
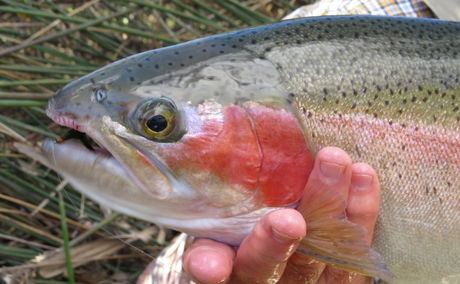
x=283, y=238
x=332, y=172
x=361, y=182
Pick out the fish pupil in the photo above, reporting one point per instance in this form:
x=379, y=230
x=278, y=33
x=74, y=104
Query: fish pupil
x=157, y=123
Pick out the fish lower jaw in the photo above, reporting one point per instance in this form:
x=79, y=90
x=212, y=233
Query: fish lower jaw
x=230, y=230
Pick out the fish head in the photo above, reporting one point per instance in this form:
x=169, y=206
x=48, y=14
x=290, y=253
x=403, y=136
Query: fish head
x=213, y=136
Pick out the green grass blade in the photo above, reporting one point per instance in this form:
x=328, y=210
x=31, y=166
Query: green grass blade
x=22, y=103
x=34, y=82
x=178, y=13
x=26, y=126
x=64, y=33
x=65, y=237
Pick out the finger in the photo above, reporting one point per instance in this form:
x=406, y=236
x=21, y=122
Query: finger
x=363, y=205
x=332, y=169
x=364, y=197
x=262, y=256
x=208, y=261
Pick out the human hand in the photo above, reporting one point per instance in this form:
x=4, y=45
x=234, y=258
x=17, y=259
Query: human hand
x=266, y=257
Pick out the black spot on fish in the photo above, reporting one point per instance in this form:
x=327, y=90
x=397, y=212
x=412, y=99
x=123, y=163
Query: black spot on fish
x=253, y=41
x=131, y=79
x=157, y=66
x=387, y=102
x=344, y=94
x=92, y=80
x=139, y=65
x=414, y=98
x=353, y=106
x=190, y=56
x=203, y=50
x=170, y=63
x=176, y=52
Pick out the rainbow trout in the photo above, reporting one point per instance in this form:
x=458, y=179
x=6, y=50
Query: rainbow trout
x=207, y=136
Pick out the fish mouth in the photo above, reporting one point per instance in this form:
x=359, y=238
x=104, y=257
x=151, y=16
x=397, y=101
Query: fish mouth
x=77, y=132
x=101, y=138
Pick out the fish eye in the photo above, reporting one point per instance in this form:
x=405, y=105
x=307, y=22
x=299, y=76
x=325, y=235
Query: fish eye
x=100, y=94
x=157, y=119
x=157, y=123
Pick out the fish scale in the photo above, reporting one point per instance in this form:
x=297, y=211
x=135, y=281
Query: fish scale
x=384, y=89
x=404, y=122
x=397, y=110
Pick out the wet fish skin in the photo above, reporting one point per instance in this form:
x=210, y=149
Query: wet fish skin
x=386, y=90
x=395, y=105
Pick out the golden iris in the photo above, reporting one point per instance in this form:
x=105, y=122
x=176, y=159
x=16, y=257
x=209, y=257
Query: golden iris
x=157, y=119
x=158, y=124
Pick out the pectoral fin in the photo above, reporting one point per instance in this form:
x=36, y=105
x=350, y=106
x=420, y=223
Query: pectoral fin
x=332, y=239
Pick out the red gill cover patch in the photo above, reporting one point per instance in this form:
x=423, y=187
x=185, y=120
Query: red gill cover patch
x=286, y=161
x=258, y=148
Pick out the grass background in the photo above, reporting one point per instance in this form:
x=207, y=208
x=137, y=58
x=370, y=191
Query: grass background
x=45, y=44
